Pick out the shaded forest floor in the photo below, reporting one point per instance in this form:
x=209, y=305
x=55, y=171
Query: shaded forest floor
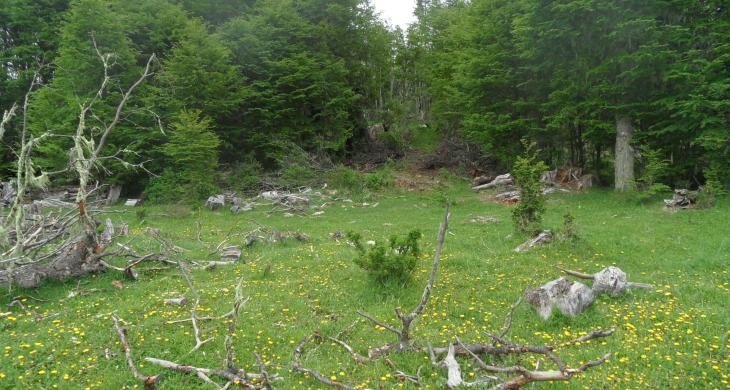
x=674, y=336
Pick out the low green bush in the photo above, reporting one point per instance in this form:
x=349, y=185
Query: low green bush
x=357, y=183
x=245, y=177
x=394, y=262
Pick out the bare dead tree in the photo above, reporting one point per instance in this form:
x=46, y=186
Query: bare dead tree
x=52, y=249
x=404, y=336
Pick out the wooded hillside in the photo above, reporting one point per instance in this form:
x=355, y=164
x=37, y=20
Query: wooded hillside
x=595, y=84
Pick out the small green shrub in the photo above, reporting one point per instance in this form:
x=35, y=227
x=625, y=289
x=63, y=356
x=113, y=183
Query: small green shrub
x=655, y=168
x=345, y=179
x=245, y=177
x=358, y=183
x=570, y=229
x=173, y=187
x=296, y=176
x=379, y=180
x=141, y=214
x=393, y=140
x=528, y=168
x=394, y=262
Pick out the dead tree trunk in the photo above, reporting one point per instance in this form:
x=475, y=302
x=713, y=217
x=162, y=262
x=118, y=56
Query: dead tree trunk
x=74, y=249
x=624, y=163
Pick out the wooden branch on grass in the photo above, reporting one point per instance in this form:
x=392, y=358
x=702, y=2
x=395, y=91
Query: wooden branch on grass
x=296, y=365
x=194, y=311
x=228, y=342
x=148, y=381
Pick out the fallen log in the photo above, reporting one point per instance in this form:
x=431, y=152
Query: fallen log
x=501, y=180
x=215, y=202
x=611, y=280
x=479, y=180
x=570, y=297
x=543, y=238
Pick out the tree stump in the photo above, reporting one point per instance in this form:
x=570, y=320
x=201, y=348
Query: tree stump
x=215, y=202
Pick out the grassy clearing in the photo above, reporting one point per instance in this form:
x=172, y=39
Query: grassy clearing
x=675, y=336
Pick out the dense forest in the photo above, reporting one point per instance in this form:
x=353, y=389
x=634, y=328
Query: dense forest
x=239, y=85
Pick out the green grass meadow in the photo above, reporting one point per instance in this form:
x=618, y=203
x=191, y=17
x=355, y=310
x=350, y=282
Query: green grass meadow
x=673, y=336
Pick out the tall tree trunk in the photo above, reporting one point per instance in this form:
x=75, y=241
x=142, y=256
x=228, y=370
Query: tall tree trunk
x=624, y=163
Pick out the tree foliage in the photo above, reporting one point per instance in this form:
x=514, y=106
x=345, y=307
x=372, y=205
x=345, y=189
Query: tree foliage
x=318, y=73
x=191, y=160
x=528, y=169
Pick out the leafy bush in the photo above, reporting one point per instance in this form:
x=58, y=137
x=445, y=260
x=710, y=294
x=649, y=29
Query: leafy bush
x=570, y=229
x=245, y=177
x=528, y=168
x=357, y=183
x=297, y=175
x=395, y=262
x=379, y=180
x=393, y=140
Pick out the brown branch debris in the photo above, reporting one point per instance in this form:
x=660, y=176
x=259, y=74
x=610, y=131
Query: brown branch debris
x=148, y=381
x=296, y=365
x=194, y=311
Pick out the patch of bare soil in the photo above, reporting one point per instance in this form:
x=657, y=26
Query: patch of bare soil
x=416, y=178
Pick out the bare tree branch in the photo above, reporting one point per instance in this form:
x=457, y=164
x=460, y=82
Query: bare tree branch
x=148, y=381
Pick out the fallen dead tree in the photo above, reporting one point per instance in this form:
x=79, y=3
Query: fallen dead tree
x=572, y=298
x=499, y=377
x=67, y=245
x=611, y=280
x=681, y=200
x=505, y=180
x=541, y=238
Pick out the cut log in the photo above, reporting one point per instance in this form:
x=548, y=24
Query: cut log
x=544, y=237
x=108, y=234
x=132, y=203
x=479, y=180
x=54, y=203
x=216, y=202
x=550, y=178
x=499, y=181
x=611, y=280
x=180, y=301
x=509, y=196
x=77, y=259
x=7, y=193
x=231, y=253
x=571, y=298
x=586, y=181
x=240, y=208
